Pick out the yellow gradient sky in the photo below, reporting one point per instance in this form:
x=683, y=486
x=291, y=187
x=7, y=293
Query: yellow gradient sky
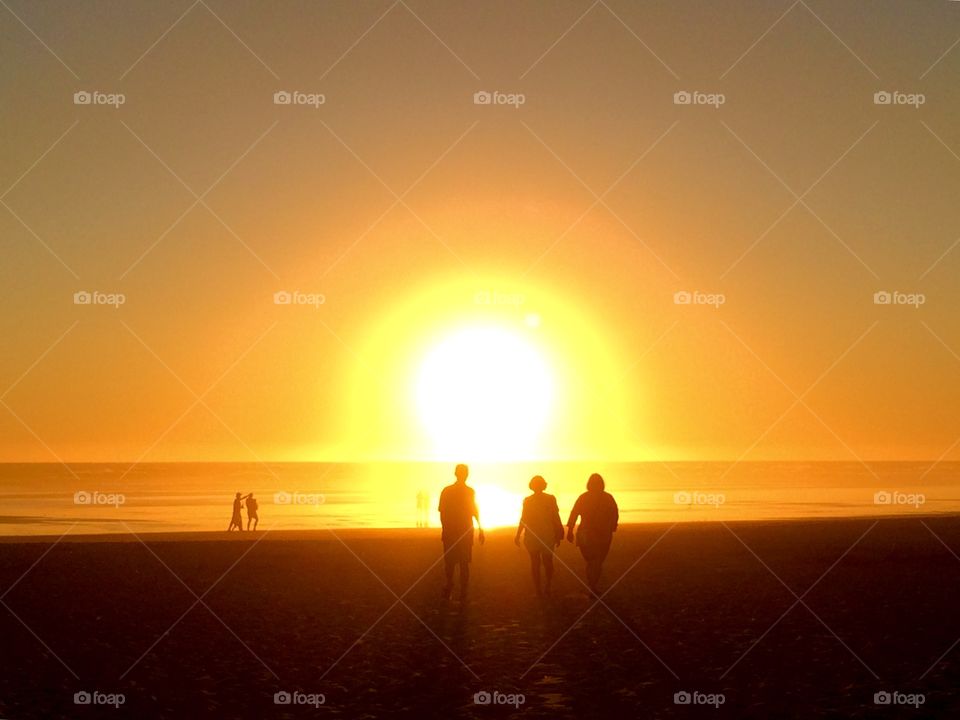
x=562, y=229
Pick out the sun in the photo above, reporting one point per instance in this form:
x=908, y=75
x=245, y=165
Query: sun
x=498, y=507
x=452, y=373
x=484, y=393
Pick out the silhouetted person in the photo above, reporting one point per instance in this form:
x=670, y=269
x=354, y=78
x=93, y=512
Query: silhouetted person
x=599, y=517
x=458, y=508
x=542, y=531
x=236, y=521
x=423, y=508
x=252, y=507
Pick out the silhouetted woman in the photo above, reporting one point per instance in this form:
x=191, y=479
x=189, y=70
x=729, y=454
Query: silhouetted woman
x=599, y=517
x=542, y=531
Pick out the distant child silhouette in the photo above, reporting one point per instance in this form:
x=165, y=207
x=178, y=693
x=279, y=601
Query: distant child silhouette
x=599, y=517
x=252, y=515
x=542, y=531
x=458, y=508
x=236, y=521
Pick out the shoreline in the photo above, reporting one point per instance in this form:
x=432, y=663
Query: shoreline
x=395, y=533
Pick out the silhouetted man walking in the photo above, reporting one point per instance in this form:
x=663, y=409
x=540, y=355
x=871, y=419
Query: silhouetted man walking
x=458, y=508
x=253, y=516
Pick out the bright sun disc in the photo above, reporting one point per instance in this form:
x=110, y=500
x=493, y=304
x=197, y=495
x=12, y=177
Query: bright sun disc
x=484, y=393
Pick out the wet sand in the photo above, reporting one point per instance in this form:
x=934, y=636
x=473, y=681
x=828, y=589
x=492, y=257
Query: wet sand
x=701, y=608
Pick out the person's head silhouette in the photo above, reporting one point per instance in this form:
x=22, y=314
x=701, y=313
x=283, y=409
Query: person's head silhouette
x=595, y=483
x=537, y=484
x=461, y=472
x=238, y=495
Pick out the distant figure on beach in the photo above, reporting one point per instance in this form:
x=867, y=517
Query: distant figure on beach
x=423, y=508
x=458, y=508
x=252, y=515
x=236, y=521
x=542, y=531
x=599, y=516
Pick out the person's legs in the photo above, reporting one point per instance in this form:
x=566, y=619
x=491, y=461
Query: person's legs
x=593, y=574
x=548, y=569
x=535, y=569
x=586, y=554
x=448, y=566
x=590, y=555
x=464, y=577
x=598, y=554
x=256, y=521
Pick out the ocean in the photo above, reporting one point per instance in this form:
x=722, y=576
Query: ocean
x=50, y=499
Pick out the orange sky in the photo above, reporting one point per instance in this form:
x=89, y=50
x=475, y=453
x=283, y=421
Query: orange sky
x=399, y=200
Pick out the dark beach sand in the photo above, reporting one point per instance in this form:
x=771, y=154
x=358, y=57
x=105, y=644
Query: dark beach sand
x=697, y=599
